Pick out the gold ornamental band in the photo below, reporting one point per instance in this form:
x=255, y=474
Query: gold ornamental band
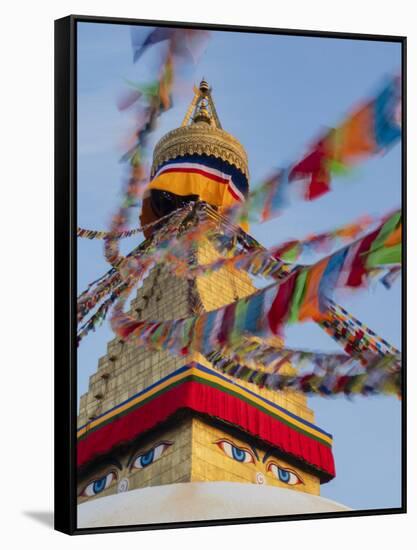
x=200, y=139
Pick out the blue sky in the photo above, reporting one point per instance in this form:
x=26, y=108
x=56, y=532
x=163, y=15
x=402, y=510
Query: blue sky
x=275, y=94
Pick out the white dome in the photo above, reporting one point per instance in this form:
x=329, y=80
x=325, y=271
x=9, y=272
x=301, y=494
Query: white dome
x=199, y=501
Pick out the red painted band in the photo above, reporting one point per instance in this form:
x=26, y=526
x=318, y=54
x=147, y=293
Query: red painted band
x=211, y=401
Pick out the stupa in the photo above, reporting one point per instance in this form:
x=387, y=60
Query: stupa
x=165, y=438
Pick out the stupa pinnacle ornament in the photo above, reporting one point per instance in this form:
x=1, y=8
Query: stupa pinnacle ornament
x=202, y=115
x=202, y=94
x=194, y=137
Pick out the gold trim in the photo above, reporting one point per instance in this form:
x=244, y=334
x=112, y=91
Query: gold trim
x=191, y=108
x=200, y=139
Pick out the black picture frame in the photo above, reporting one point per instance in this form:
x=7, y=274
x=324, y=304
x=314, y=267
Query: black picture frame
x=66, y=269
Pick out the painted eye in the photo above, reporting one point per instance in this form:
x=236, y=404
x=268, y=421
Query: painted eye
x=145, y=459
x=98, y=485
x=237, y=453
x=286, y=476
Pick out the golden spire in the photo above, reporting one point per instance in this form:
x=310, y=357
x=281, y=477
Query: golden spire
x=202, y=107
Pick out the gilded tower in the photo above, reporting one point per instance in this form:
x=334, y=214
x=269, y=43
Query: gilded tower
x=152, y=418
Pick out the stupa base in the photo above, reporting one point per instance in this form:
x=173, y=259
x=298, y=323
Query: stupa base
x=199, y=501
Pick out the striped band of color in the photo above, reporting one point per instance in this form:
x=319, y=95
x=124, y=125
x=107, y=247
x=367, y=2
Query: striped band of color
x=203, y=170
x=208, y=375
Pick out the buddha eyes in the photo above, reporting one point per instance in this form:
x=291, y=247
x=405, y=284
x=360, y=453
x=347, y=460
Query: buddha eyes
x=241, y=454
x=237, y=453
x=98, y=485
x=282, y=474
x=145, y=459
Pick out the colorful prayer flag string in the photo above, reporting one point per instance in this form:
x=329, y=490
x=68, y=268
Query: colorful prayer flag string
x=156, y=98
x=302, y=296
x=93, y=234
x=327, y=374
x=372, y=129
x=354, y=335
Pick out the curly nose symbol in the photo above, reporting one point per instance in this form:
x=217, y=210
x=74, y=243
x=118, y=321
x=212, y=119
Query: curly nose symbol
x=123, y=485
x=260, y=478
